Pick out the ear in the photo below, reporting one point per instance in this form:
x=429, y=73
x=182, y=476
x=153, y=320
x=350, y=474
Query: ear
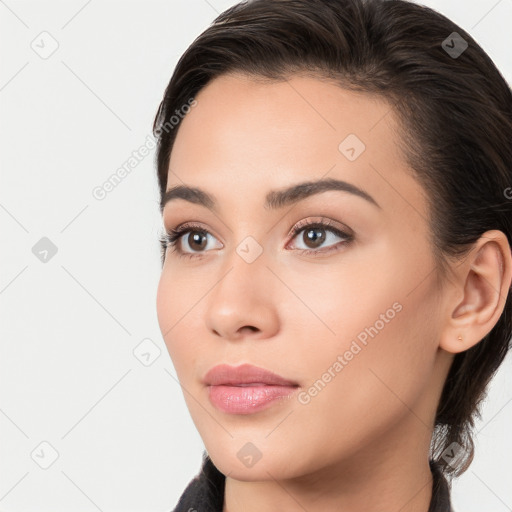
x=478, y=294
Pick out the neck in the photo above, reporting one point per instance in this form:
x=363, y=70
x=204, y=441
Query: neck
x=392, y=474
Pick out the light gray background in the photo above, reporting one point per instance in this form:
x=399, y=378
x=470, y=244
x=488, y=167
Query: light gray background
x=69, y=326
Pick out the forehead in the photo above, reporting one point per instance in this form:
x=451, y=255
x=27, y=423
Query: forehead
x=247, y=137
x=298, y=110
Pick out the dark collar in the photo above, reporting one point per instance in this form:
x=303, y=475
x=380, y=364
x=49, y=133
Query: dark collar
x=205, y=492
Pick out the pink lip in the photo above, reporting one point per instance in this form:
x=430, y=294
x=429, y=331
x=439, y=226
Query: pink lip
x=246, y=388
x=243, y=374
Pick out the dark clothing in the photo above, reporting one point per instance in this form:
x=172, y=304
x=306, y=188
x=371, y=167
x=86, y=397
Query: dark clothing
x=205, y=492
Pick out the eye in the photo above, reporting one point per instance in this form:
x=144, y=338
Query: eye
x=315, y=235
x=197, y=239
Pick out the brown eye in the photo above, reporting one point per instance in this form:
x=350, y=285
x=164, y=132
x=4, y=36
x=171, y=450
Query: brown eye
x=317, y=233
x=192, y=245
x=314, y=237
x=197, y=240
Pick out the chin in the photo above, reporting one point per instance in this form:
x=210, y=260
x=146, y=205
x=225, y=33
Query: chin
x=247, y=461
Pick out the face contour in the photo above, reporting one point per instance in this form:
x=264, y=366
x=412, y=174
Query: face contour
x=354, y=322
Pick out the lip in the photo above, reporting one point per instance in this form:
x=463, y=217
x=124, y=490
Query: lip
x=246, y=389
x=227, y=375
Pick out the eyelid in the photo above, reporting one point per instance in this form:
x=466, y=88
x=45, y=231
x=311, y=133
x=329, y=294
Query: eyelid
x=308, y=221
x=323, y=222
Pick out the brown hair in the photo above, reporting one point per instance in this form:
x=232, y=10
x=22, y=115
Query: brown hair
x=455, y=114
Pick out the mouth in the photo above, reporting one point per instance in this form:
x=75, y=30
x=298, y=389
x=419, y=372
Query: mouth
x=246, y=389
x=248, y=398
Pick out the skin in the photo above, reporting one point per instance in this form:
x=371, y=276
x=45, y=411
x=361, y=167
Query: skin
x=362, y=442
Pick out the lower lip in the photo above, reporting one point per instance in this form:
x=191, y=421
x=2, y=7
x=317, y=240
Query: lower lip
x=247, y=399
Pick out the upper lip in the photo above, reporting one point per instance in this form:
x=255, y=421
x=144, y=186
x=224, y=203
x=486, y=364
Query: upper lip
x=224, y=374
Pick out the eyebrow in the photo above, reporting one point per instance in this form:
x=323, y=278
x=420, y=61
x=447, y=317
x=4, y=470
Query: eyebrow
x=274, y=200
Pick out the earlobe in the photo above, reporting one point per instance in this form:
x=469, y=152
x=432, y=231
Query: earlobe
x=485, y=279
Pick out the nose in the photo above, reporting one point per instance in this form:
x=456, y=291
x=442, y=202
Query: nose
x=243, y=303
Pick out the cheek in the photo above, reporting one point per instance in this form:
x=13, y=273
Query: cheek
x=170, y=298
x=379, y=361
x=177, y=294
x=164, y=302
x=350, y=404
x=383, y=360
x=179, y=314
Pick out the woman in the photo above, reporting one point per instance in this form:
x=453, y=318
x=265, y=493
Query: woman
x=336, y=285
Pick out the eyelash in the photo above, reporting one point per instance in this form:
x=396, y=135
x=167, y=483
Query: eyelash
x=171, y=238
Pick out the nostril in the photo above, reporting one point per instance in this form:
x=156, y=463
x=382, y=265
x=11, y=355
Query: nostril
x=250, y=327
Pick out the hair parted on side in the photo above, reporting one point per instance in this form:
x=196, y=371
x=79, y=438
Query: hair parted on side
x=455, y=117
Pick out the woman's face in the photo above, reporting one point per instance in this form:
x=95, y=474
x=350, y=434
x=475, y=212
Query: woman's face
x=355, y=322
